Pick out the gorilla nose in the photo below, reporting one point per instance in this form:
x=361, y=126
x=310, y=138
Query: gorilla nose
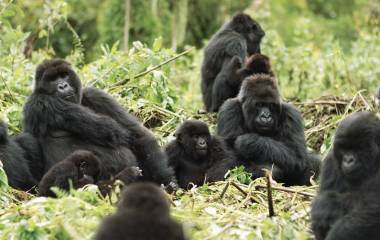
x=266, y=118
x=63, y=86
x=348, y=161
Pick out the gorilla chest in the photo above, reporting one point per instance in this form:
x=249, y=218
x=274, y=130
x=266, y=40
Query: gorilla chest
x=192, y=172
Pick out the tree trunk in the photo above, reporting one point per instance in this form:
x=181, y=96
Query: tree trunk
x=126, y=24
x=179, y=23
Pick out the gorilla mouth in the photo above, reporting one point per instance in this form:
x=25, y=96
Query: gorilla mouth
x=70, y=98
x=202, y=151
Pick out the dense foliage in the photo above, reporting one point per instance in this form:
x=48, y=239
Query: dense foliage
x=319, y=49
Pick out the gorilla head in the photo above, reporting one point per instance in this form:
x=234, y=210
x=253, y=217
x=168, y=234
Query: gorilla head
x=250, y=29
x=87, y=163
x=257, y=63
x=144, y=197
x=56, y=78
x=261, y=104
x=194, y=136
x=3, y=133
x=356, y=146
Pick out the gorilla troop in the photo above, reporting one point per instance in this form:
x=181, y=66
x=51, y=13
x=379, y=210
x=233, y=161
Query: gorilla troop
x=347, y=205
x=196, y=156
x=267, y=133
x=224, y=54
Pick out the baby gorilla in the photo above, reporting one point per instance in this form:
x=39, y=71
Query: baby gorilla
x=81, y=167
x=143, y=214
x=347, y=205
x=196, y=156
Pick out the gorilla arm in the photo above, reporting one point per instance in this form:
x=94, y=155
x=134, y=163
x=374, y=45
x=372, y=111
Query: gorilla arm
x=230, y=121
x=152, y=159
x=222, y=160
x=46, y=113
x=226, y=83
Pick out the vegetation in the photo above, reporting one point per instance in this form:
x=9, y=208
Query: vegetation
x=326, y=56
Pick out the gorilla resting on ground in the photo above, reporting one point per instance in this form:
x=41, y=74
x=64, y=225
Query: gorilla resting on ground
x=347, y=206
x=17, y=160
x=265, y=132
x=142, y=214
x=64, y=121
x=81, y=168
x=230, y=78
x=240, y=37
x=196, y=156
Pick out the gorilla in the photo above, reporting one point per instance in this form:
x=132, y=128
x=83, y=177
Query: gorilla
x=267, y=133
x=227, y=49
x=64, y=119
x=81, y=168
x=196, y=156
x=142, y=214
x=16, y=159
x=347, y=205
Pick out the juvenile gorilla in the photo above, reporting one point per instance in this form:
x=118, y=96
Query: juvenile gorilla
x=196, y=156
x=17, y=162
x=64, y=121
x=347, y=205
x=240, y=37
x=81, y=167
x=142, y=214
x=230, y=78
x=266, y=132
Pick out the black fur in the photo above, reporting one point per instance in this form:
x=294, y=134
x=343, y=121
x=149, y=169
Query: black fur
x=191, y=165
x=265, y=132
x=229, y=80
x=224, y=54
x=127, y=176
x=81, y=167
x=142, y=214
x=17, y=161
x=65, y=119
x=347, y=205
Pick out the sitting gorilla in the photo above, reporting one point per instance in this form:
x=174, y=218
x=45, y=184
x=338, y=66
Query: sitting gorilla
x=265, y=132
x=142, y=214
x=240, y=37
x=80, y=167
x=230, y=78
x=196, y=156
x=17, y=162
x=347, y=205
x=64, y=121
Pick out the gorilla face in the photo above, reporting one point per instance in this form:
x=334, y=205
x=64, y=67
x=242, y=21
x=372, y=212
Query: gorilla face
x=194, y=137
x=261, y=116
x=58, y=80
x=356, y=146
x=358, y=160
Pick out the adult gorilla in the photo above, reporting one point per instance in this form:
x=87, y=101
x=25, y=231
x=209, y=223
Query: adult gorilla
x=347, y=205
x=240, y=37
x=265, y=132
x=56, y=114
